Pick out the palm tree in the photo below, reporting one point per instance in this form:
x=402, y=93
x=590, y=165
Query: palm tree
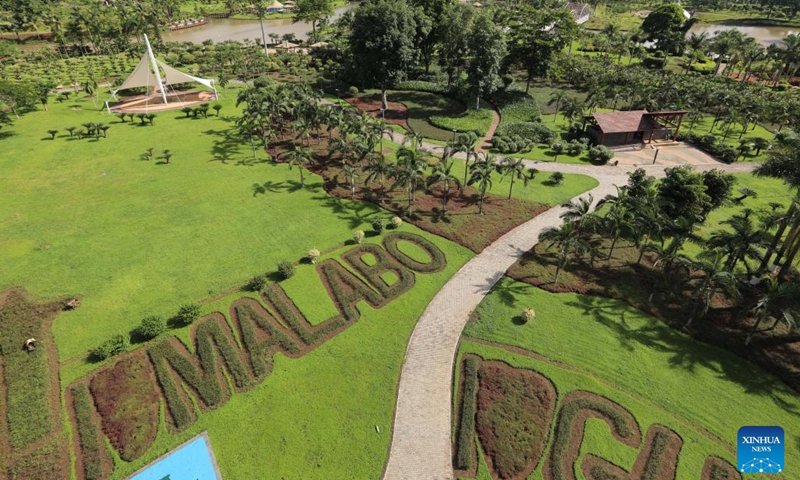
x=617, y=222
x=351, y=174
x=740, y=244
x=779, y=301
x=166, y=155
x=300, y=156
x=568, y=240
x=410, y=171
x=515, y=169
x=557, y=97
x=378, y=169
x=577, y=211
x=714, y=279
x=442, y=173
x=481, y=174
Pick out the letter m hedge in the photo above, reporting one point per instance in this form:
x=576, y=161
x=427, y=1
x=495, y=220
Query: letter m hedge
x=179, y=371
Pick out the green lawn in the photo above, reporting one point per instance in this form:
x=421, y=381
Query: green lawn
x=449, y=113
x=317, y=415
x=703, y=127
x=734, y=17
x=539, y=189
x=602, y=16
x=660, y=375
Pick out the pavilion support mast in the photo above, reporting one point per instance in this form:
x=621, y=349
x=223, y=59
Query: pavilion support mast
x=155, y=69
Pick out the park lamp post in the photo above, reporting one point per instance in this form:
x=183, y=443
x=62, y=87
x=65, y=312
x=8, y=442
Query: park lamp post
x=655, y=157
x=454, y=136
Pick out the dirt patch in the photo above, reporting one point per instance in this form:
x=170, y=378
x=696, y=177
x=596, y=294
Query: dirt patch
x=127, y=400
x=515, y=410
x=396, y=114
x=716, y=468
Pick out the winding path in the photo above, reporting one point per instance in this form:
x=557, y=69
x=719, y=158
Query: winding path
x=421, y=437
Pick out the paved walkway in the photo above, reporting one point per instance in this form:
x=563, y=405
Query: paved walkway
x=421, y=438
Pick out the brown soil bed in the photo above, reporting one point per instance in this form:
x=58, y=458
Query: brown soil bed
x=396, y=114
x=126, y=397
x=777, y=352
x=515, y=410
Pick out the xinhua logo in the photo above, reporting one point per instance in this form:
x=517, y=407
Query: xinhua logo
x=760, y=450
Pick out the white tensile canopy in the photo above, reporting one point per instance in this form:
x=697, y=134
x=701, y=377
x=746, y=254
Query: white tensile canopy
x=146, y=75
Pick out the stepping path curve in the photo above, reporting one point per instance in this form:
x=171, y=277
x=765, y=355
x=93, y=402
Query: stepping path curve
x=421, y=435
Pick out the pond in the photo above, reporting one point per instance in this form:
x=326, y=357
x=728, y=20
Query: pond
x=765, y=35
x=221, y=29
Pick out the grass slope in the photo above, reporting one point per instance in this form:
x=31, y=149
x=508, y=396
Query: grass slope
x=659, y=374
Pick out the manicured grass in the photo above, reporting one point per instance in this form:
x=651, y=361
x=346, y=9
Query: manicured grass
x=540, y=189
x=477, y=121
x=703, y=127
x=602, y=16
x=450, y=113
x=734, y=17
x=135, y=238
x=318, y=414
x=660, y=375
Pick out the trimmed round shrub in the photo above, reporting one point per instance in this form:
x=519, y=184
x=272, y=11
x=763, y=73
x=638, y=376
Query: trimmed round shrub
x=188, y=313
x=556, y=178
x=600, y=154
x=358, y=236
x=575, y=148
x=257, y=283
x=313, y=255
x=528, y=314
x=286, y=269
x=378, y=226
x=151, y=327
x=396, y=222
x=353, y=90
x=111, y=347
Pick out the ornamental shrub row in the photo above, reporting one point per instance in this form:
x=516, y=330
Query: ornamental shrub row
x=383, y=264
x=91, y=450
x=422, y=86
x=710, y=144
x=112, y=347
x=466, y=424
x=438, y=259
x=261, y=352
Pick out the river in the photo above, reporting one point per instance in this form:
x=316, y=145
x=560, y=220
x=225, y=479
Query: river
x=221, y=29
x=765, y=35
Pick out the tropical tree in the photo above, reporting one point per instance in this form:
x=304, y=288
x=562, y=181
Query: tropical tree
x=557, y=97
x=410, y=172
x=350, y=175
x=300, y=156
x=312, y=11
x=578, y=211
x=442, y=174
x=779, y=302
x=481, y=175
x=739, y=244
x=378, y=169
x=569, y=241
x=714, y=279
x=514, y=168
x=166, y=155
x=487, y=49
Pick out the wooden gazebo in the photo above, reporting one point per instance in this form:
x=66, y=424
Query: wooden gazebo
x=634, y=126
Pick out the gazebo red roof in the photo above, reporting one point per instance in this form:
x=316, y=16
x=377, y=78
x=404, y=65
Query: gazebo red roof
x=626, y=121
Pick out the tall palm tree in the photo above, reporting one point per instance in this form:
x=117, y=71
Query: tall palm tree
x=779, y=301
x=739, y=244
x=442, y=174
x=578, y=211
x=378, y=169
x=514, y=168
x=300, y=156
x=350, y=174
x=569, y=242
x=410, y=172
x=481, y=174
x=714, y=279
x=557, y=97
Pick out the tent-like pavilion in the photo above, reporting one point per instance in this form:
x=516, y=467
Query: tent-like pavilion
x=634, y=126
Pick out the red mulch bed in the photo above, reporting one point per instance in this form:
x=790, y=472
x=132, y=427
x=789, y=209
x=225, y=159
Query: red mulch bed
x=128, y=403
x=515, y=410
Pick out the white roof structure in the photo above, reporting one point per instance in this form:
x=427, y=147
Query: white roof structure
x=146, y=74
